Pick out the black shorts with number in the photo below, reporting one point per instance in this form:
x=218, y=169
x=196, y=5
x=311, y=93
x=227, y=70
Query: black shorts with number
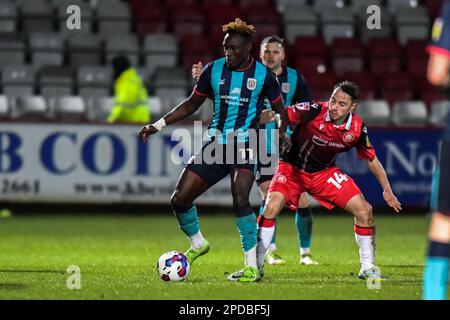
x=215, y=161
x=443, y=203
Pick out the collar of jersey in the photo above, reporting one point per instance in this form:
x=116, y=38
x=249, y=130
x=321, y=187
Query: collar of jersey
x=247, y=67
x=347, y=125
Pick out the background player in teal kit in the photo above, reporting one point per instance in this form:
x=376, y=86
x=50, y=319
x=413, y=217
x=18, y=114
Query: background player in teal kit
x=294, y=89
x=238, y=85
x=437, y=261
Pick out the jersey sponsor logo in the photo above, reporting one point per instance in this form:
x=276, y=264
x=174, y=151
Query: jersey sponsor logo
x=302, y=106
x=325, y=143
x=281, y=179
x=236, y=91
x=436, y=31
x=349, y=137
x=251, y=83
x=285, y=87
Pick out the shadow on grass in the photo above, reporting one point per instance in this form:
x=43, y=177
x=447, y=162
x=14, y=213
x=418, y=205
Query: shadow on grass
x=12, y=286
x=31, y=271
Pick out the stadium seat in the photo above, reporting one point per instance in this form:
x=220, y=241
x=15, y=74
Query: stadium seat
x=94, y=81
x=265, y=19
x=30, y=108
x=170, y=84
x=54, y=82
x=359, y=6
x=12, y=50
x=86, y=18
x=396, y=87
x=396, y=5
x=416, y=57
x=310, y=46
x=322, y=85
x=187, y=19
x=321, y=5
x=46, y=49
x=386, y=27
x=366, y=84
x=37, y=16
x=155, y=106
x=409, y=113
x=337, y=23
x=84, y=49
x=123, y=45
x=114, y=17
x=433, y=7
x=283, y=4
x=151, y=19
x=300, y=21
x=384, y=56
x=347, y=55
x=70, y=108
x=8, y=17
x=4, y=108
x=160, y=49
x=374, y=112
x=439, y=112
x=311, y=66
x=18, y=81
x=412, y=23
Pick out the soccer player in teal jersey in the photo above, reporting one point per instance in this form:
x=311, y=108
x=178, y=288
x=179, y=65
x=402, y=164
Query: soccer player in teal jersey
x=437, y=261
x=294, y=89
x=238, y=85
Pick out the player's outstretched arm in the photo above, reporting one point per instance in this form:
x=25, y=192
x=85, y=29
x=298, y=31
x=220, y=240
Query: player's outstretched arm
x=183, y=110
x=380, y=174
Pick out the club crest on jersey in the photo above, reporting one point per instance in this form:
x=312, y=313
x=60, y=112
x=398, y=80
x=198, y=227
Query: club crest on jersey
x=302, y=106
x=349, y=137
x=251, y=83
x=285, y=87
x=281, y=179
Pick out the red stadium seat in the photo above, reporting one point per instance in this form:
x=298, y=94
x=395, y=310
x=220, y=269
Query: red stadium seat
x=311, y=66
x=151, y=21
x=222, y=13
x=249, y=3
x=312, y=46
x=365, y=82
x=347, y=55
x=206, y=3
x=189, y=59
x=416, y=57
x=429, y=93
x=322, y=85
x=173, y=4
x=187, y=19
x=384, y=56
x=396, y=87
x=434, y=7
x=194, y=44
x=265, y=19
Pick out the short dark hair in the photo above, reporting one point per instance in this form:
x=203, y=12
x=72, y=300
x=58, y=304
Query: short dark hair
x=272, y=39
x=349, y=88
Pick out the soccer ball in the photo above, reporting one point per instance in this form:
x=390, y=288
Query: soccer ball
x=173, y=266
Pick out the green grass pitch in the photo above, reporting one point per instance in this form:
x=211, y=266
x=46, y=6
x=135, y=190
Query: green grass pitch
x=117, y=257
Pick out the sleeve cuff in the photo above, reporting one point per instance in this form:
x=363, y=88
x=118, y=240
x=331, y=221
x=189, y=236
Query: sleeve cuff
x=276, y=100
x=438, y=50
x=197, y=92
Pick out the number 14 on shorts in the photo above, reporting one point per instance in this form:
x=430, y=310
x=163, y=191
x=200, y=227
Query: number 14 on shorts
x=337, y=180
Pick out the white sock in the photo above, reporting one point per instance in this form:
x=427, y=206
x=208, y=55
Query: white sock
x=265, y=235
x=366, y=244
x=304, y=251
x=272, y=247
x=250, y=258
x=197, y=240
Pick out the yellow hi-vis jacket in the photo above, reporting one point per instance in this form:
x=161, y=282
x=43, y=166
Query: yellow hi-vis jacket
x=131, y=99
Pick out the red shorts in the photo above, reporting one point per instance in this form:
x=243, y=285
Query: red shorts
x=330, y=187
